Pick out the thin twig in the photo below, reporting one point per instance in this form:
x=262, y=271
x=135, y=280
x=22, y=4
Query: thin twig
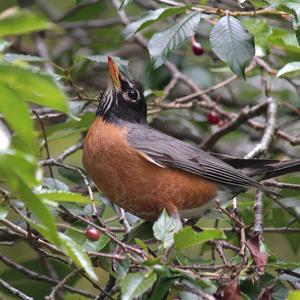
x=282, y=185
x=69, y=151
x=54, y=162
x=14, y=291
x=41, y=277
x=266, y=140
x=60, y=285
x=195, y=291
x=258, y=212
x=245, y=114
x=45, y=140
x=223, y=12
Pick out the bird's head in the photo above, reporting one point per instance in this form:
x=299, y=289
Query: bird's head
x=123, y=98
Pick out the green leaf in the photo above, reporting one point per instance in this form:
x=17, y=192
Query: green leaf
x=163, y=43
x=16, y=21
x=64, y=197
x=78, y=256
x=161, y=288
x=16, y=114
x=76, y=233
x=165, y=228
x=122, y=267
x=124, y=4
x=150, y=18
x=261, y=31
x=187, y=237
x=142, y=231
x=34, y=86
x=233, y=44
x=27, y=169
x=34, y=203
x=136, y=284
x=289, y=70
x=96, y=245
x=294, y=295
x=294, y=10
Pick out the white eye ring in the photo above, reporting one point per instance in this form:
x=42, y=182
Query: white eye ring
x=131, y=95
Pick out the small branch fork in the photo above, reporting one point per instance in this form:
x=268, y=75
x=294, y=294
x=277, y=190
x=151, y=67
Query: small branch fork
x=270, y=130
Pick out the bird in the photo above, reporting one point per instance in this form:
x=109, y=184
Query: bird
x=145, y=171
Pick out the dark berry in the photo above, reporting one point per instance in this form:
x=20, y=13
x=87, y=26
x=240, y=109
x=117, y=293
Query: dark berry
x=213, y=118
x=197, y=47
x=92, y=234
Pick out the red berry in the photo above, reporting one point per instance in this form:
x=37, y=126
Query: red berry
x=213, y=118
x=223, y=123
x=197, y=47
x=92, y=234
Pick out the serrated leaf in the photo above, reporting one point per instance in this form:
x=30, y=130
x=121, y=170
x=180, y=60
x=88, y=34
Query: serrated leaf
x=233, y=44
x=162, y=44
x=136, y=284
x=16, y=21
x=12, y=105
x=150, y=18
x=32, y=201
x=294, y=10
x=165, y=228
x=65, y=197
x=33, y=86
x=289, y=70
x=187, y=237
x=78, y=256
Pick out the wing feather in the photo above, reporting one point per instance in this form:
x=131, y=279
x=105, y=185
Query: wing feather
x=167, y=151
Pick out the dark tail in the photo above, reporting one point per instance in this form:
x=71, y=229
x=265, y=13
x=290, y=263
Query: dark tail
x=265, y=169
x=261, y=169
x=280, y=168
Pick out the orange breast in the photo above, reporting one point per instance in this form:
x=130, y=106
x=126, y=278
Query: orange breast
x=134, y=183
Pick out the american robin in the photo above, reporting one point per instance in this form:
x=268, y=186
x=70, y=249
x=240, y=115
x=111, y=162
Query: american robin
x=145, y=171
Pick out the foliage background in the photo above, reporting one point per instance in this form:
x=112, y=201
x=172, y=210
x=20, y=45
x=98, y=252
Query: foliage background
x=52, y=70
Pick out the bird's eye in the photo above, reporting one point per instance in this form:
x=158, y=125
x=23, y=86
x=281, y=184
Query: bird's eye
x=132, y=94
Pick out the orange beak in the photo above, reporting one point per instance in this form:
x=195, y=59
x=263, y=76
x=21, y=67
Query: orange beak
x=114, y=73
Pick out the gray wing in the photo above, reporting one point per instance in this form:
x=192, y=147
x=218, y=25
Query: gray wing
x=170, y=152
